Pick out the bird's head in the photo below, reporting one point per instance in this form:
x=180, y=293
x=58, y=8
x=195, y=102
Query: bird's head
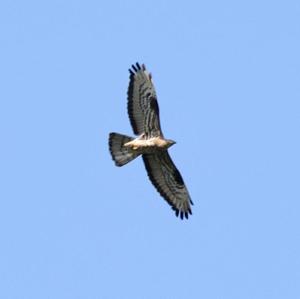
x=170, y=142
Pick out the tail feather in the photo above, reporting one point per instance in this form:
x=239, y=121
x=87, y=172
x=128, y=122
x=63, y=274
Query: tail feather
x=120, y=154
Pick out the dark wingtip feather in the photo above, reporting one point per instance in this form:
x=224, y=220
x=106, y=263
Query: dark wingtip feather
x=181, y=215
x=138, y=66
x=134, y=67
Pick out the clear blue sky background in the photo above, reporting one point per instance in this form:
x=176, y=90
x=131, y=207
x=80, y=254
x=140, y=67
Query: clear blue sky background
x=72, y=225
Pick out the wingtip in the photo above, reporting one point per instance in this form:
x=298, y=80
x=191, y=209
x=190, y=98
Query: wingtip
x=134, y=67
x=137, y=67
x=182, y=214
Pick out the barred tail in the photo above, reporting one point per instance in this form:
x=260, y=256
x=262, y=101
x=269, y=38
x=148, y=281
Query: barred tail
x=120, y=154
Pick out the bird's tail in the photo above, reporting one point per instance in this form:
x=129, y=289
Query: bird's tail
x=120, y=154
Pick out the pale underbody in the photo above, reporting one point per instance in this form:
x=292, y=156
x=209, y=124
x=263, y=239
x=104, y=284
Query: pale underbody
x=149, y=145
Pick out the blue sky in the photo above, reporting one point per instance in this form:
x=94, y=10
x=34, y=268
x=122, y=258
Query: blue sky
x=73, y=225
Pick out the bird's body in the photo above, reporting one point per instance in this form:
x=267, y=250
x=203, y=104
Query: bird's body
x=144, y=117
x=150, y=145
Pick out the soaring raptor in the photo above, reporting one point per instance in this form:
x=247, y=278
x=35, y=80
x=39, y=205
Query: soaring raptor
x=143, y=113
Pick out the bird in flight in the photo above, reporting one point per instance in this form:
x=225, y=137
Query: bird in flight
x=143, y=113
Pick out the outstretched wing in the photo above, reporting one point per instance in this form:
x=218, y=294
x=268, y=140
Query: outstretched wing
x=169, y=183
x=142, y=103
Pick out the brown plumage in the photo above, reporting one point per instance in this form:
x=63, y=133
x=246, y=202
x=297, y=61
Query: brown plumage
x=143, y=113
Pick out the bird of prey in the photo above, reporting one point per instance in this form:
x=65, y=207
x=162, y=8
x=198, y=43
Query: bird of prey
x=143, y=113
